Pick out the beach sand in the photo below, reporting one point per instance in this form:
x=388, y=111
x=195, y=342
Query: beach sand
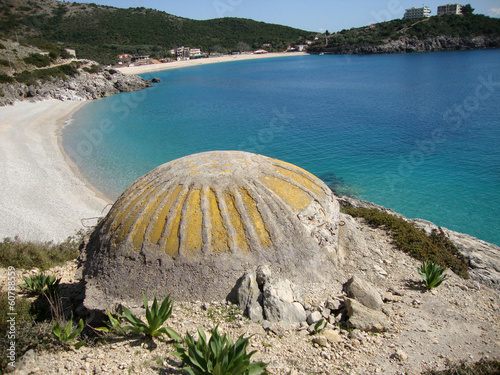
x=211, y=60
x=42, y=196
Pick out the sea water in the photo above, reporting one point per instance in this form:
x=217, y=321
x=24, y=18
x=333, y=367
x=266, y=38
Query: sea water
x=418, y=133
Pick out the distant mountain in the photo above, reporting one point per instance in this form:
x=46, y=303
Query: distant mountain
x=102, y=32
x=448, y=32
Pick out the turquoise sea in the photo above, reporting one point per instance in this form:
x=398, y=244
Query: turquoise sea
x=419, y=133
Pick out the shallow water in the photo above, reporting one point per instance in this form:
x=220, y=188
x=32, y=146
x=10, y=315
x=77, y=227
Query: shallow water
x=418, y=133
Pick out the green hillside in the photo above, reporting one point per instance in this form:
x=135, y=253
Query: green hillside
x=101, y=32
x=380, y=33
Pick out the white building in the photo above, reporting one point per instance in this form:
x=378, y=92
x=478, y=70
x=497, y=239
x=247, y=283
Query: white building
x=194, y=52
x=183, y=53
x=417, y=12
x=449, y=9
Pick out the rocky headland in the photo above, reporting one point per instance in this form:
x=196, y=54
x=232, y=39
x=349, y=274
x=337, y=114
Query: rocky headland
x=82, y=86
x=413, y=44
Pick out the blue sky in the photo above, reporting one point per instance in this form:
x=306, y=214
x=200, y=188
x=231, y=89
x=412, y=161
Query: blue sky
x=313, y=15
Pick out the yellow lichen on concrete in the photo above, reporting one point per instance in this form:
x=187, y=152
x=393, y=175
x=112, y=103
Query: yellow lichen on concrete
x=122, y=207
x=292, y=195
x=307, y=183
x=192, y=225
x=234, y=218
x=219, y=235
x=139, y=229
x=255, y=217
x=171, y=244
x=158, y=223
x=130, y=215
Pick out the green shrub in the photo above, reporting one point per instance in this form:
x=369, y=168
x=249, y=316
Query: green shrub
x=218, y=355
x=30, y=77
x=28, y=255
x=29, y=335
x=436, y=248
x=41, y=283
x=482, y=367
x=2, y=46
x=4, y=78
x=95, y=68
x=67, y=335
x=155, y=319
x=37, y=60
x=431, y=274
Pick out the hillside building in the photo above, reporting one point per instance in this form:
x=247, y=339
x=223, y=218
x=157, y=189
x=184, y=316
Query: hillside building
x=183, y=53
x=417, y=12
x=449, y=9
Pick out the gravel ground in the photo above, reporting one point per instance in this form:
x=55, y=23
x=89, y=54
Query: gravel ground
x=460, y=320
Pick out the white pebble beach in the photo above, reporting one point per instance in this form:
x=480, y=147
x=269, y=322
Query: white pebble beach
x=42, y=196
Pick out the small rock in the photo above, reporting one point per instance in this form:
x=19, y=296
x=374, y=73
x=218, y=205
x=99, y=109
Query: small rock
x=334, y=304
x=321, y=341
x=399, y=355
x=325, y=313
x=263, y=275
x=363, y=292
x=357, y=335
x=332, y=336
x=314, y=317
x=365, y=319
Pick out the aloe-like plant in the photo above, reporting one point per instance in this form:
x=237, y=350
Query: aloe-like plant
x=217, y=355
x=155, y=318
x=432, y=274
x=114, y=325
x=67, y=335
x=41, y=283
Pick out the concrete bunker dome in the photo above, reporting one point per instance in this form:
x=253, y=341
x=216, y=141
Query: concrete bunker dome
x=192, y=226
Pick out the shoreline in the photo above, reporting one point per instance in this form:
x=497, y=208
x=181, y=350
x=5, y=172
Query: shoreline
x=143, y=69
x=43, y=195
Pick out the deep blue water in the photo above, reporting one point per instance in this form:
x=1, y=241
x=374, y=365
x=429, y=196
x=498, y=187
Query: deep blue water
x=419, y=133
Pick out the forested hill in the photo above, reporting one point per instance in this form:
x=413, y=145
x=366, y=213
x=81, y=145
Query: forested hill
x=446, y=32
x=101, y=32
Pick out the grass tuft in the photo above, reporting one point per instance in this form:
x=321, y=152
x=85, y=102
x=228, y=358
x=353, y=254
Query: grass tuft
x=482, y=367
x=436, y=248
x=28, y=255
x=28, y=333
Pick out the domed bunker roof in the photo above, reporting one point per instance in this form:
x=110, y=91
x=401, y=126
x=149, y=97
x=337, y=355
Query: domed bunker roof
x=193, y=226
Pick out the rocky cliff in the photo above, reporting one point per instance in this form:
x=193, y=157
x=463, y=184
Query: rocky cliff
x=82, y=86
x=482, y=257
x=413, y=44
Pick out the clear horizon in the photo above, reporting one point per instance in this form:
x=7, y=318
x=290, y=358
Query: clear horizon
x=316, y=15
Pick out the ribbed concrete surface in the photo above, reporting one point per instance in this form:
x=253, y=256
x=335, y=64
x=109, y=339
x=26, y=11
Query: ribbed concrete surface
x=205, y=218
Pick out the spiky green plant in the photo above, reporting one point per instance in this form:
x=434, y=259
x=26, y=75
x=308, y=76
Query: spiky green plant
x=320, y=326
x=113, y=326
x=155, y=319
x=41, y=283
x=67, y=335
x=432, y=274
x=217, y=355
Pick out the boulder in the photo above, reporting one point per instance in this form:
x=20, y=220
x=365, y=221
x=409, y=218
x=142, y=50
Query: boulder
x=363, y=292
x=364, y=318
x=248, y=296
x=281, y=303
